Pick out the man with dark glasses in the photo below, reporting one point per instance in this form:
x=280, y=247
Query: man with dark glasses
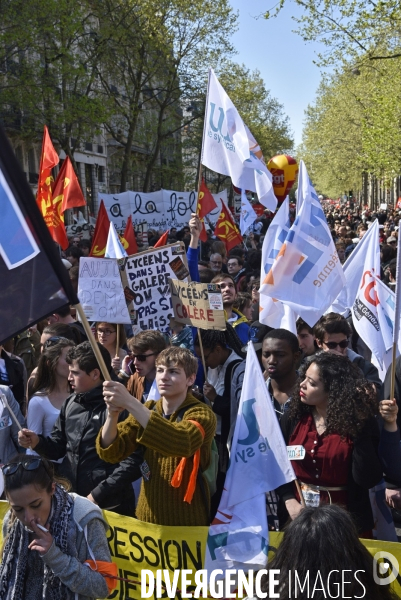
x=138, y=369
x=332, y=334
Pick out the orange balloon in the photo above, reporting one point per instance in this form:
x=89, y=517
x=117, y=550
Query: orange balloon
x=284, y=170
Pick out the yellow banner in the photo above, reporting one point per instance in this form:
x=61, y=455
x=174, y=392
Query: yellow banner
x=136, y=546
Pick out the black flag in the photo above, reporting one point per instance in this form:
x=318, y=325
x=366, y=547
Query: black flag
x=33, y=281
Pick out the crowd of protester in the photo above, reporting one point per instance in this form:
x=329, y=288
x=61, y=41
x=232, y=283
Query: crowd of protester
x=127, y=444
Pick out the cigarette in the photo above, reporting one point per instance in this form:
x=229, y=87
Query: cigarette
x=42, y=528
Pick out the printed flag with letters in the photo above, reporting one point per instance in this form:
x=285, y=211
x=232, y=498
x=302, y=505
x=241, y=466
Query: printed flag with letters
x=238, y=536
x=226, y=229
x=34, y=281
x=101, y=232
x=369, y=315
x=273, y=312
x=229, y=147
x=307, y=274
x=353, y=269
x=387, y=319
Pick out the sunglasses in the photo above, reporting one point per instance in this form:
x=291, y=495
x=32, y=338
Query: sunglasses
x=142, y=357
x=27, y=464
x=53, y=341
x=333, y=345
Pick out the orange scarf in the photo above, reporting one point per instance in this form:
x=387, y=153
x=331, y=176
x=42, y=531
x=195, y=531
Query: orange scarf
x=108, y=570
x=176, y=479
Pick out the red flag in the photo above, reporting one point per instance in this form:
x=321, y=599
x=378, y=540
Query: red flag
x=128, y=240
x=162, y=241
x=67, y=189
x=206, y=202
x=203, y=233
x=44, y=197
x=48, y=160
x=226, y=229
x=101, y=232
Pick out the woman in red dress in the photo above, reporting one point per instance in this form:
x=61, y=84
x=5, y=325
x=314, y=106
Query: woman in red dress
x=332, y=417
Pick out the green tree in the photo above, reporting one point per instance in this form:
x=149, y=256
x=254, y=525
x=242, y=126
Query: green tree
x=48, y=57
x=354, y=127
x=356, y=31
x=156, y=65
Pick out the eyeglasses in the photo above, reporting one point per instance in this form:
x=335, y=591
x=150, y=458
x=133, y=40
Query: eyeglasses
x=333, y=345
x=106, y=331
x=55, y=340
x=28, y=464
x=142, y=357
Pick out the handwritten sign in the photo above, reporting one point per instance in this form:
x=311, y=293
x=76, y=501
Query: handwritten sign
x=161, y=210
x=146, y=277
x=100, y=290
x=192, y=306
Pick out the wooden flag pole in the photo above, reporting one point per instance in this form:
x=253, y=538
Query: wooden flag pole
x=118, y=342
x=201, y=150
x=6, y=404
x=93, y=342
x=397, y=310
x=202, y=354
x=393, y=361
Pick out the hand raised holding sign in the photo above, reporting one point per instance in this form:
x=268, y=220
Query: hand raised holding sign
x=195, y=225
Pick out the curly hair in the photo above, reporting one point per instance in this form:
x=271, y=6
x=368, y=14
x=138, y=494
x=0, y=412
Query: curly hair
x=351, y=399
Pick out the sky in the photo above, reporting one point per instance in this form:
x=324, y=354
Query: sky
x=284, y=60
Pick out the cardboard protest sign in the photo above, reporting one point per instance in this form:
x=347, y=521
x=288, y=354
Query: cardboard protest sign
x=146, y=277
x=101, y=292
x=198, y=304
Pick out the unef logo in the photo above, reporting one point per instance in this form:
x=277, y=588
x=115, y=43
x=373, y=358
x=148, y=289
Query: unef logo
x=218, y=128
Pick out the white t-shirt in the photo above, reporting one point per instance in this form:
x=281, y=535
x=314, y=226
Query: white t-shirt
x=41, y=417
